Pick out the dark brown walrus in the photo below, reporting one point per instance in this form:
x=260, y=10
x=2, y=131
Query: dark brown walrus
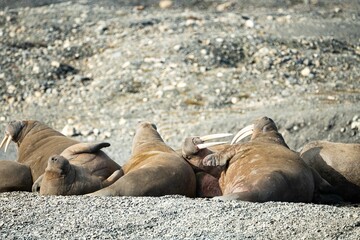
x=337, y=163
x=207, y=177
x=265, y=169
x=81, y=168
x=14, y=176
x=154, y=169
x=35, y=142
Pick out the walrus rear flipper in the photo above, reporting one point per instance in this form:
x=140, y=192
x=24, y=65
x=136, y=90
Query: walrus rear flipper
x=324, y=192
x=112, y=178
x=83, y=148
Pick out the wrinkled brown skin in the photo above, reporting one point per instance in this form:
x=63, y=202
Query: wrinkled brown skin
x=337, y=163
x=36, y=142
x=154, y=169
x=14, y=176
x=207, y=177
x=81, y=168
x=265, y=169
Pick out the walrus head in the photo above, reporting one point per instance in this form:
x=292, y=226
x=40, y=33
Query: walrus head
x=146, y=132
x=58, y=164
x=263, y=128
x=12, y=132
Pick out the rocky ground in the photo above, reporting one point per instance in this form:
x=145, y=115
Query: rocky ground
x=94, y=70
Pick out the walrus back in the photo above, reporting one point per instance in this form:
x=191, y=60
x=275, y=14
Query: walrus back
x=38, y=145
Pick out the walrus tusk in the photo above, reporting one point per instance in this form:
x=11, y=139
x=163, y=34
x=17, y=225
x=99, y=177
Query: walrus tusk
x=214, y=136
x=210, y=137
x=4, y=140
x=243, y=133
x=7, y=142
x=210, y=144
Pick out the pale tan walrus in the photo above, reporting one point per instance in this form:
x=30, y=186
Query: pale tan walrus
x=337, y=163
x=265, y=169
x=154, y=169
x=81, y=168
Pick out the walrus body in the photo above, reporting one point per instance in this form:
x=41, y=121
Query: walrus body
x=14, y=176
x=36, y=142
x=265, y=169
x=81, y=168
x=154, y=169
x=63, y=178
x=338, y=163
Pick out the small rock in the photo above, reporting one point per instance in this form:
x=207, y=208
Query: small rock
x=165, y=4
x=177, y=47
x=55, y=64
x=234, y=100
x=249, y=23
x=68, y=131
x=305, y=72
x=96, y=131
x=224, y=6
x=355, y=125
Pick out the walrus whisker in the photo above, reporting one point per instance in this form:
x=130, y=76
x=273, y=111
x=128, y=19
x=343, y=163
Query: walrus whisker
x=215, y=136
x=4, y=140
x=243, y=133
x=209, y=144
x=7, y=142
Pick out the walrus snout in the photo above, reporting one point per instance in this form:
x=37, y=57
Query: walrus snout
x=58, y=160
x=11, y=133
x=14, y=128
x=265, y=124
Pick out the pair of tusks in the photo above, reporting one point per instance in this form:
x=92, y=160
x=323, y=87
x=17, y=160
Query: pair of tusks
x=243, y=133
x=6, y=139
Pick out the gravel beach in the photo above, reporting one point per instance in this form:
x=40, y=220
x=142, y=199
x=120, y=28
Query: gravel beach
x=93, y=70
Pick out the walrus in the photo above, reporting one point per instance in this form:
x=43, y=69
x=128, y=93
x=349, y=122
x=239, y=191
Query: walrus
x=265, y=169
x=337, y=163
x=81, y=168
x=194, y=150
x=36, y=142
x=154, y=169
x=14, y=176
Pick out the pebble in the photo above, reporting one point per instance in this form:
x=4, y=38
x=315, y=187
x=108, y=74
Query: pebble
x=355, y=125
x=305, y=72
x=69, y=131
x=249, y=23
x=165, y=4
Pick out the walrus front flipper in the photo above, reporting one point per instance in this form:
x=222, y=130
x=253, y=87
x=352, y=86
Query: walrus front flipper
x=83, y=148
x=220, y=158
x=37, y=184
